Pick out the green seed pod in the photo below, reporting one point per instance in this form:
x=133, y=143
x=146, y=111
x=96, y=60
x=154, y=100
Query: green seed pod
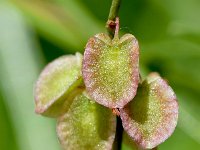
x=57, y=85
x=86, y=126
x=152, y=115
x=110, y=69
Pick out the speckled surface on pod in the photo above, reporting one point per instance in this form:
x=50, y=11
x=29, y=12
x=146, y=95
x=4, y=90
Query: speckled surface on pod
x=87, y=125
x=110, y=69
x=153, y=114
x=55, y=87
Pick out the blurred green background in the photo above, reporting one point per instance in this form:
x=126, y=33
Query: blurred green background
x=34, y=32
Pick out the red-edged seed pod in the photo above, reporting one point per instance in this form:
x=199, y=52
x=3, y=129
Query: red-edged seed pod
x=110, y=69
x=151, y=117
x=57, y=85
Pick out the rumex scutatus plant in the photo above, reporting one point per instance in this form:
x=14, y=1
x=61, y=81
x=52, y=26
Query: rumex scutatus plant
x=86, y=93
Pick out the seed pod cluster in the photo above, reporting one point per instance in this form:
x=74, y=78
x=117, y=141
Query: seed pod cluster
x=81, y=122
x=81, y=92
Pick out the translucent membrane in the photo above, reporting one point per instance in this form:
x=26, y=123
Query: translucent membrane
x=110, y=69
x=56, y=85
x=151, y=117
x=86, y=126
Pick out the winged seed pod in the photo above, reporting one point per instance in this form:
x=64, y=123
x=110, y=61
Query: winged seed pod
x=110, y=68
x=152, y=115
x=57, y=85
x=86, y=126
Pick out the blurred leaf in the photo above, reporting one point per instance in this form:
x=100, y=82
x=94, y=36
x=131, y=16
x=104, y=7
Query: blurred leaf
x=20, y=63
x=179, y=140
x=103, y=8
x=176, y=59
x=184, y=15
x=7, y=136
x=65, y=24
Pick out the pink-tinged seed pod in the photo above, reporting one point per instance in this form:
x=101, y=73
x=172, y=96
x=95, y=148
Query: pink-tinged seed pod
x=87, y=125
x=57, y=85
x=151, y=117
x=110, y=69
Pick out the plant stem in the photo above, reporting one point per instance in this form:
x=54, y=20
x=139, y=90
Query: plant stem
x=114, y=9
x=118, y=136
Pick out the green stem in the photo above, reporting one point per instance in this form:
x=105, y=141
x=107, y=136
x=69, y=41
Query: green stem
x=114, y=9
